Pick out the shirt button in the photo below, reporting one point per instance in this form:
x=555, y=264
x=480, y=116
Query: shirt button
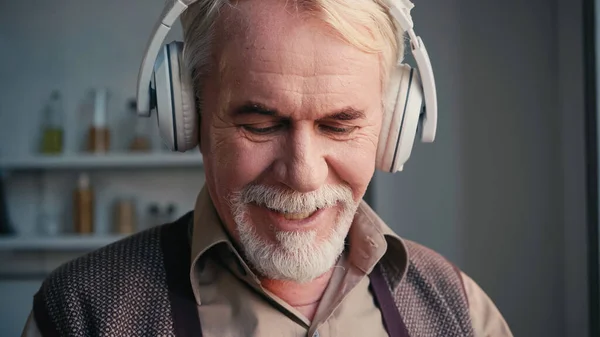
x=316, y=334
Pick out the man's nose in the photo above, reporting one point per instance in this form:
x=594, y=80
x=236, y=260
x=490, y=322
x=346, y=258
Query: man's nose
x=303, y=166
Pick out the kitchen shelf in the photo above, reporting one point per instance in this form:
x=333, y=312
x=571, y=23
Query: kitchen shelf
x=71, y=242
x=99, y=161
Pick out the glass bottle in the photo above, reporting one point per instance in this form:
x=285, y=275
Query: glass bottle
x=141, y=139
x=83, y=206
x=52, y=125
x=125, y=214
x=99, y=133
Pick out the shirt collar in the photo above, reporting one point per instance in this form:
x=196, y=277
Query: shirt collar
x=369, y=239
x=208, y=230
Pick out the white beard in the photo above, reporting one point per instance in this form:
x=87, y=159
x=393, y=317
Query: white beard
x=297, y=256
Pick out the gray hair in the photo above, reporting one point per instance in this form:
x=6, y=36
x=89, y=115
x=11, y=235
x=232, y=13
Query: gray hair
x=344, y=16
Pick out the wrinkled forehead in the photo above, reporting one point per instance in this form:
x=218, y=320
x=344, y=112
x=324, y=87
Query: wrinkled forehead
x=254, y=31
x=304, y=51
x=270, y=53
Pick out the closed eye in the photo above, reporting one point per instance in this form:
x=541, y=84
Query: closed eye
x=262, y=131
x=337, y=129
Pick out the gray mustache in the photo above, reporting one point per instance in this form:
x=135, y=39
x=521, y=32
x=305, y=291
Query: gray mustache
x=289, y=201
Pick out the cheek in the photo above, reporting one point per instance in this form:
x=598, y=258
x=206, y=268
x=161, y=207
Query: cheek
x=234, y=161
x=230, y=164
x=355, y=164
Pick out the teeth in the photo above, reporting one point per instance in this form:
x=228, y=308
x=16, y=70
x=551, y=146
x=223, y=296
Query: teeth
x=294, y=216
x=297, y=216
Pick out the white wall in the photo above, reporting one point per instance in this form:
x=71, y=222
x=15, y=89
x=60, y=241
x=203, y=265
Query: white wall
x=488, y=193
x=571, y=105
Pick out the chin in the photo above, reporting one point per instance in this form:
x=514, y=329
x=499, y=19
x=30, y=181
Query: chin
x=292, y=236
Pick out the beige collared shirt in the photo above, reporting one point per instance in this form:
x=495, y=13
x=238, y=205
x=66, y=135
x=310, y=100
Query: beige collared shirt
x=232, y=302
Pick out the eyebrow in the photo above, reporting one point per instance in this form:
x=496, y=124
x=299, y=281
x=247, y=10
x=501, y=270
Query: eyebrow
x=249, y=108
x=346, y=114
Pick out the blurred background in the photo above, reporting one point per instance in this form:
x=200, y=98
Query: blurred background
x=508, y=191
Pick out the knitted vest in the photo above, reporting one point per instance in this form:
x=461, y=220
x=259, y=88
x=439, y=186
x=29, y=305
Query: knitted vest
x=140, y=286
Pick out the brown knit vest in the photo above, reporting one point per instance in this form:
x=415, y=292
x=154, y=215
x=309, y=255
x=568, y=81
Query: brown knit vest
x=140, y=286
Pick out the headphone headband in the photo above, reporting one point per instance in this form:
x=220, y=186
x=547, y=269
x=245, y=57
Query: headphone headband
x=399, y=9
x=170, y=14
x=401, y=14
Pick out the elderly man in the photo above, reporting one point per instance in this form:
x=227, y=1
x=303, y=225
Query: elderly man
x=286, y=100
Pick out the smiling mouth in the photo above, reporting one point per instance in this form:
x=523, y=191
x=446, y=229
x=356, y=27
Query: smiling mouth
x=294, y=216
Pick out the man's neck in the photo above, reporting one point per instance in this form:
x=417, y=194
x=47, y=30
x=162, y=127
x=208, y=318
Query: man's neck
x=304, y=297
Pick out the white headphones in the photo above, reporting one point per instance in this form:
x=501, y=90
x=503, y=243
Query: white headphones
x=411, y=98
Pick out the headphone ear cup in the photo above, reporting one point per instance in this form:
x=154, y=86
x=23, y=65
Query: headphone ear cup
x=403, y=107
x=175, y=105
x=188, y=114
x=391, y=99
x=184, y=116
x=164, y=102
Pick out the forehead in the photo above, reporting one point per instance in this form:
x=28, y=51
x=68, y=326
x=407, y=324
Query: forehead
x=293, y=63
